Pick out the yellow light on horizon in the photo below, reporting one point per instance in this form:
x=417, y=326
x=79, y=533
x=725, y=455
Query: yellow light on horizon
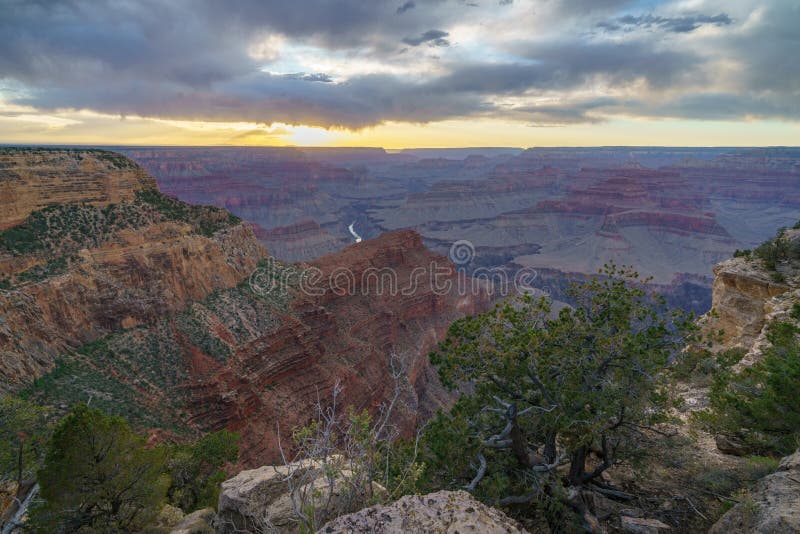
x=27, y=126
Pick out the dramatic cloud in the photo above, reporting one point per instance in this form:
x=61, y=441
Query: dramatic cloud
x=405, y=7
x=683, y=24
x=434, y=37
x=354, y=64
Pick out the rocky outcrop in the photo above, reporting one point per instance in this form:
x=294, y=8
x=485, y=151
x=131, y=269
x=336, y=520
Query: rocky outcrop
x=31, y=179
x=270, y=498
x=743, y=296
x=747, y=298
x=133, y=281
x=199, y=522
x=443, y=511
x=772, y=506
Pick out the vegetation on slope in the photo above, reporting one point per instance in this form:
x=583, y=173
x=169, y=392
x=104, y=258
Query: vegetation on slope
x=549, y=391
x=775, y=251
x=758, y=407
x=98, y=475
x=114, y=159
x=138, y=373
x=66, y=228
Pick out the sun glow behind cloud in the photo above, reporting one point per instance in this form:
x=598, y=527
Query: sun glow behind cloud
x=20, y=125
x=439, y=73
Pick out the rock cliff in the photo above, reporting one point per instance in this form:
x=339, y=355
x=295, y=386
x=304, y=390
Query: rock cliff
x=112, y=254
x=173, y=316
x=746, y=297
x=31, y=179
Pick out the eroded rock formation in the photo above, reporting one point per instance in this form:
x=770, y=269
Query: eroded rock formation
x=443, y=511
x=31, y=179
x=173, y=316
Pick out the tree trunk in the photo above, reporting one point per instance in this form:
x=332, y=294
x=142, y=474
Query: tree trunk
x=19, y=468
x=550, y=448
x=577, y=466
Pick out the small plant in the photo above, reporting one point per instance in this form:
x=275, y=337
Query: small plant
x=745, y=253
x=748, y=507
x=778, y=277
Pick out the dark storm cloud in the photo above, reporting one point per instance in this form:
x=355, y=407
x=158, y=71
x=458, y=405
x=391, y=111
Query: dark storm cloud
x=569, y=65
x=683, y=24
x=194, y=61
x=405, y=7
x=434, y=37
x=306, y=77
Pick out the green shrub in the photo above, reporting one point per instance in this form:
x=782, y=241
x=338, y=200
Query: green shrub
x=98, y=476
x=195, y=470
x=760, y=405
x=778, y=249
x=778, y=277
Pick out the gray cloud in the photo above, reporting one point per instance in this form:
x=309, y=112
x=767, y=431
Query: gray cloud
x=405, y=7
x=682, y=24
x=314, y=77
x=434, y=37
x=189, y=60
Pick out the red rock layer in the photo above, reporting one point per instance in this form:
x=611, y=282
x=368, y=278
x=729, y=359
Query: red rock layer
x=271, y=384
x=31, y=179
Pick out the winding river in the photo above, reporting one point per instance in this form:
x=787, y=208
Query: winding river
x=353, y=232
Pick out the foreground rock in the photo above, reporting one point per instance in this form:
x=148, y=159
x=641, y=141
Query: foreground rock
x=443, y=511
x=259, y=500
x=198, y=522
x=773, y=505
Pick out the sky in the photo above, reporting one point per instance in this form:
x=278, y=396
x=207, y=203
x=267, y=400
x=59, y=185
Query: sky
x=400, y=73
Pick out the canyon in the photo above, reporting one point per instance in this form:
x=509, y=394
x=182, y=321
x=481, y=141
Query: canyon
x=177, y=318
x=671, y=212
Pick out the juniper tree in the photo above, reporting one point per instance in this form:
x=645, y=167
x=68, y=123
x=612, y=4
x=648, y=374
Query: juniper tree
x=553, y=393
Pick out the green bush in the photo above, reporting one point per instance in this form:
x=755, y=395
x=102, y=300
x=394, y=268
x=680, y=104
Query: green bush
x=778, y=249
x=24, y=430
x=195, y=470
x=777, y=277
x=760, y=406
x=98, y=476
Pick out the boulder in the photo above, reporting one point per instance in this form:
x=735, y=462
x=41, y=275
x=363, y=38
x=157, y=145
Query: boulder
x=641, y=525
x=199, y=522
x=772, y=506
x=731, y=445
x=443, y=511
x=260, y=500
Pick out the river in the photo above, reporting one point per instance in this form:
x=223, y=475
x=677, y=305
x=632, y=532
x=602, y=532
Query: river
x=353, y=232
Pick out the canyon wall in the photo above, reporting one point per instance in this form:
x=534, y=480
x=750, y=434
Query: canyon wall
x=31, y=179
x=175, y=317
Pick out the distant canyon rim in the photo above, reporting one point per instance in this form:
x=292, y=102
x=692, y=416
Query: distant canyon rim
x=672, y=213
